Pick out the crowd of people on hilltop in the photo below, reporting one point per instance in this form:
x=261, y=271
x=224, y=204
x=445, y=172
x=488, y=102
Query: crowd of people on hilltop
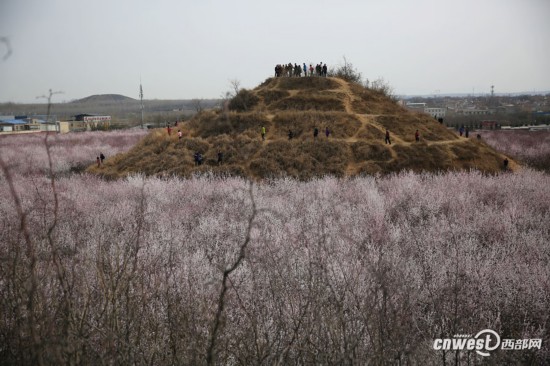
x=289, y=70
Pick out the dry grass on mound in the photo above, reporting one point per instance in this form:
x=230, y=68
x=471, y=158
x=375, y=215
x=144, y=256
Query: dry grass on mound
x=468, y=152
x=341, y=124
x=421, y=157
x=306, y=102
x=363, y=151
x=213, y=124
x=405, y=124
x=302, y=160
x=273, y=95
x=322, y=93
x=371, y=101
x=238, y=150
x=317, y=83
x=369, y=168
x=370, y=132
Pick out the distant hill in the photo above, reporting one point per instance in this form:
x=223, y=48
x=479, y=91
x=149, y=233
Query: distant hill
x=356, y=117
x=104, y=98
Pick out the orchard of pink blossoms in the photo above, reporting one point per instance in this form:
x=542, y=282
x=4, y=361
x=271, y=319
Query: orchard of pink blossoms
x=333, y=271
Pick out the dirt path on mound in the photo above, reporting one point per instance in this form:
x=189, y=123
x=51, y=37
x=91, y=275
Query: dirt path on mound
x=365, y=119
x=368, y=122
x=345, y=89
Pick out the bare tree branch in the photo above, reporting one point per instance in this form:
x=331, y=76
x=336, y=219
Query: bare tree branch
x=226, y=273
x=31, y=254
x=8, y=53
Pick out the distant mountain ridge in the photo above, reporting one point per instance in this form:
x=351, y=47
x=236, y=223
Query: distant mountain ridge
x=103, y=98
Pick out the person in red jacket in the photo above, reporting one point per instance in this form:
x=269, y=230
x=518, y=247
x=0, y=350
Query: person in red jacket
x=417, y=136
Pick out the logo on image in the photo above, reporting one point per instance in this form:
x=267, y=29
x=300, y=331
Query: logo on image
x=484, y=342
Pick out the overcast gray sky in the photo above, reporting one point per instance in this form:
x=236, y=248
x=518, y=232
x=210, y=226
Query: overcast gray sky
x=191, y=49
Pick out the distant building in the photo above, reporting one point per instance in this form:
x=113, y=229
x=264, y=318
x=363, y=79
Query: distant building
x=8, y=125
x=474, y=112
x=416, y=105
x=71, y=126
x=435, y=112
x=93, y=121
x=85, y=122
x=489, y=125
x=24, y=124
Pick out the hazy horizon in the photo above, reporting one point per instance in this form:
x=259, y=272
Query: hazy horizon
x=440, y=95
x=187, y=50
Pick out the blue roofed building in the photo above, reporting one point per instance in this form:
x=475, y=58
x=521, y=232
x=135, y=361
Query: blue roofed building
x=24, y=124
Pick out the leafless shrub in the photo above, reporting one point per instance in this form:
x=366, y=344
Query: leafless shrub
x=382, y=86
x=346, y=71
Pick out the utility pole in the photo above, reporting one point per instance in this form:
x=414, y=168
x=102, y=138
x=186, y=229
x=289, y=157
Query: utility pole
x=141, y=99
x=49, y=98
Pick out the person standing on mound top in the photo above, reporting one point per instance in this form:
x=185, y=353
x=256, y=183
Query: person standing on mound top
x=388, y=141
x=98, y=161
x=263, y=133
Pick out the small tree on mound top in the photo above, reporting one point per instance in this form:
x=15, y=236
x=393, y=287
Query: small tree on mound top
x=243, y=101
x=237, y=99
x=346, y=72
x=382, y=86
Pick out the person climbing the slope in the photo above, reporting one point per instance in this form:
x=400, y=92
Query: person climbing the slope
x=198, y=158
x=263, y=133
x=315, y=133
x=388, y=141
x=417, y=136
